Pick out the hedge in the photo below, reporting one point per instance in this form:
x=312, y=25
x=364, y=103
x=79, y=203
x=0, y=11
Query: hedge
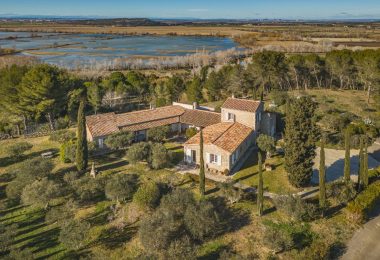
x=359, y=208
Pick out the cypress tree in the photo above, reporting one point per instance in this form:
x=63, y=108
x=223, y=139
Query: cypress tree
x=322, y=177
x=82, y=149
x=365, y=163
x=347, y=157
x=360, y=168
x=300, y=139
x=202, y=178
x=260, y=189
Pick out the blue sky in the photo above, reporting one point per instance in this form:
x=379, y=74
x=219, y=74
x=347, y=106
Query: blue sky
x=293, y=9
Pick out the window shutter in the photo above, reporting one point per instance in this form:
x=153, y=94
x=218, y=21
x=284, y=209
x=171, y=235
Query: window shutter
x=207, y=158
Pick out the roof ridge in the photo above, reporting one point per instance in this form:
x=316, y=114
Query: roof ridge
x=146, y=110
x=154, y=120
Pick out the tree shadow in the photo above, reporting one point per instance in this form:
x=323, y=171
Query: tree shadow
x=44, y=240
x=7, y=161
x=269, y=210
x=337, y=250
x=99, y=218
x=333, y=211
x=48, y=256
x=114, y=237
x=112, y=166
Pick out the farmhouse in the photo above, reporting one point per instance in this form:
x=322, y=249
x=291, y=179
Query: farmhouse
x=227, y=135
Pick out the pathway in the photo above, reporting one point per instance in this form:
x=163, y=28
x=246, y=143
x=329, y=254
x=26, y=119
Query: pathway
x=365, y=244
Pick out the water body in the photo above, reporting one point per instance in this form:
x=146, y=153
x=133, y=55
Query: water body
x=67, y=49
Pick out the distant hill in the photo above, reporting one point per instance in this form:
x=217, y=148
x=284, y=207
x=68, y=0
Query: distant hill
x=114, y=22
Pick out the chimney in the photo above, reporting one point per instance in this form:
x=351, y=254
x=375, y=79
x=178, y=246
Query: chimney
x=195, y=105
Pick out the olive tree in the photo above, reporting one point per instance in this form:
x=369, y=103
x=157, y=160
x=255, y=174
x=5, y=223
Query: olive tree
x=266, y=144
x=121, y=187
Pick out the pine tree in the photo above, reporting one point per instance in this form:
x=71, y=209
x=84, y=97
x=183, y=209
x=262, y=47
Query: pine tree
x=322, y=177
x=365, y=163
x=300, y=139
x=347, y=157
x=360, y=168
x=82, y=149
x=202, y=178
x=260, y=189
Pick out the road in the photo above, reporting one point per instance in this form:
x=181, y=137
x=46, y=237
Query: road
x=365, y=244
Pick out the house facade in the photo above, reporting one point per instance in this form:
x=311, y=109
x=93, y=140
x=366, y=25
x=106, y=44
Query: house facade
x=227, y=135
x=226, y=143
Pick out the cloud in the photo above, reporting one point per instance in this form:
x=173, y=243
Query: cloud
x=197, y=10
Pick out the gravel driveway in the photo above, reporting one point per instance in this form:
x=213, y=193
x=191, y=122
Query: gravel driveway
x=335, y=163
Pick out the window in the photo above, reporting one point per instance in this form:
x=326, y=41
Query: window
x=214, y=159
x=101, y=143
x=230, y=116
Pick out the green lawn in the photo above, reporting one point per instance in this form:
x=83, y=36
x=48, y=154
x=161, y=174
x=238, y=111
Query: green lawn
x=274, y=181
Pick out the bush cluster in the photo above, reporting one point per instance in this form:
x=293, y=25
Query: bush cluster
x=286, y=236
x=342, y=191
x=18, y=149
x=297, y=208
x=62, y=136
x=359, y=208
x=155, y=154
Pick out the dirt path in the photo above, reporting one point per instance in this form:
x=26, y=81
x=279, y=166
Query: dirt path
x=365, y=244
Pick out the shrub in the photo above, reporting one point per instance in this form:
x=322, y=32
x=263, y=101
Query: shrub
x=119, y=140
x=61, y=213
x=297, y=208
x=158, y=134
x=25, y=173
x=359, y=208
x=121, y=187
x=62, y=136
x=40, y=192
x=190, y=132
x=340, y=190
x=159, y=157
x=74, y=234
x=67, y=152
x=88, y=189
x=18, y=149
x=148, y=195
x=7, y=236
x=285, y=236
x=71, y=177
x=138, y=152
x=178, y=224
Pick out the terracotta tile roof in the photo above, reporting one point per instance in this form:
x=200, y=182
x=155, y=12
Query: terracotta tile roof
x=200, y=118
x=144, y=116
x=227, y=136
x=233, y=137
x=109, y=123
x=241, y=104
x=150, y=124
x=102, y=124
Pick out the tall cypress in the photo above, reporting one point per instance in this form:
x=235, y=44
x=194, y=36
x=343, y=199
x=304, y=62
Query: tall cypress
x=260, y=189
x=365, y=163
x=360, y=168
x=300, y=140
x=347, y=157
x=322, y=176
x=202, y=178
x=82, y=149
